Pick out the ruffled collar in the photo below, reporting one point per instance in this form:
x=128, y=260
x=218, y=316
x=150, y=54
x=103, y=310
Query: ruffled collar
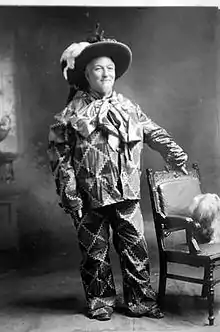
x=115, y=115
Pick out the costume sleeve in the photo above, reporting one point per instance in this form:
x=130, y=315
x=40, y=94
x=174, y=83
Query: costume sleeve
x=158, y=139
x=59, y=151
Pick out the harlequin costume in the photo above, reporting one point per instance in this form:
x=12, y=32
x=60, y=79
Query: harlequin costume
x=94, y=150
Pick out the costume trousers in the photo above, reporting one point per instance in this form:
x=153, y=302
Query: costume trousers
x=93, y=231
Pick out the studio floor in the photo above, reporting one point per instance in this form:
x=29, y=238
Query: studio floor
x=44, y=298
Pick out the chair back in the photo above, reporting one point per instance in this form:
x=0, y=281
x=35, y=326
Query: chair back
x=171, y=193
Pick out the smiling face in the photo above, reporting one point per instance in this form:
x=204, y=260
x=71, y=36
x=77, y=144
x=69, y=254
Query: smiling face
x=100, y=74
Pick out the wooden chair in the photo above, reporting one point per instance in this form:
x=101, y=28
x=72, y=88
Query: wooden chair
x=171, y=193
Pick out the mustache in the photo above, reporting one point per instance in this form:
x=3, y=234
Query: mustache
x=107, y=79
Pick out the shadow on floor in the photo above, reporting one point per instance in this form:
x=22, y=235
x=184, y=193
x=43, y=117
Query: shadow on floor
x=181, y=306
x=45, y=299
x=69, y=304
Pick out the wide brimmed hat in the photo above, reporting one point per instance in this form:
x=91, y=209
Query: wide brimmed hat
x=76, y=57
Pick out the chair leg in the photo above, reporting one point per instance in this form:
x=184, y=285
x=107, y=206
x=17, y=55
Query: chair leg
x=162, y=281
x=211, y=295
x=204, y=286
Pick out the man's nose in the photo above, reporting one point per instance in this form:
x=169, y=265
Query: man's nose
x=105, y=72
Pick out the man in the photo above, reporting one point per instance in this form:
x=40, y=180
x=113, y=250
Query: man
x=94, y=149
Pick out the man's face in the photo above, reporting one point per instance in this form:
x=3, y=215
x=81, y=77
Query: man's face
x=100, y=73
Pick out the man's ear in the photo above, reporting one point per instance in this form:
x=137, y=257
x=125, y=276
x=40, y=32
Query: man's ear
x=86, y=74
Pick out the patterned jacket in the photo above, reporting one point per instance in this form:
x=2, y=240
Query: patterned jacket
x=95, y=147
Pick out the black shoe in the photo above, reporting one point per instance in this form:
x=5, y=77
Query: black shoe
x=158, y=314
x=103, y=316
x=153, y=312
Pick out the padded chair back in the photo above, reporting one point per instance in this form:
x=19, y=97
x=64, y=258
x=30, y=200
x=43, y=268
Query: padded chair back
x=172, y=192
x=176, y=195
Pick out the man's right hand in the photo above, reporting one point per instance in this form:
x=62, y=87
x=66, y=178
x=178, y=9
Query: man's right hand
x=71, y=204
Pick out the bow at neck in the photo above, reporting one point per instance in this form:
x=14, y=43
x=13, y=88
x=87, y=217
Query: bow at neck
x=114, y=114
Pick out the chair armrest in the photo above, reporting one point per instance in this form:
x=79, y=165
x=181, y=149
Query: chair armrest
x=176, y=222
x=181, y=222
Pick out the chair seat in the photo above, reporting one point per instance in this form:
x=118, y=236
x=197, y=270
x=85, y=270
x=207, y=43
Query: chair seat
x=208, y=251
